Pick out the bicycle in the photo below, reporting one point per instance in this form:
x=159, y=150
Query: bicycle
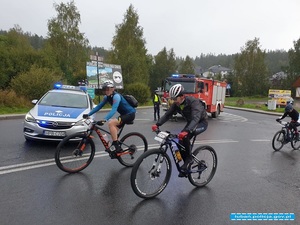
x=72, y=157
x=151, y=173
x=281, y=137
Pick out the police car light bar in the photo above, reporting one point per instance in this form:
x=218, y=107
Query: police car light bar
x=69, y=87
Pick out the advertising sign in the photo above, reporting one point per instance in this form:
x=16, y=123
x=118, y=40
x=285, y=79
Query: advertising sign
x=105, y=72
x=281, y=96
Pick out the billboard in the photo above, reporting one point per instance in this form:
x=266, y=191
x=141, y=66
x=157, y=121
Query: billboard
x=105, y=72
x=281, y=96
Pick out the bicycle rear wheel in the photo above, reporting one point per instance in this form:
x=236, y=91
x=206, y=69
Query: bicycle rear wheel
x=72, y=157
x=151, y=174
x=204, y=166
x=134, y=145
x=278, y=140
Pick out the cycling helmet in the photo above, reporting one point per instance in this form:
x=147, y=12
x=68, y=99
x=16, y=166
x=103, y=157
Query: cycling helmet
x=176, y=90
x=108, y=83
x=288, y=107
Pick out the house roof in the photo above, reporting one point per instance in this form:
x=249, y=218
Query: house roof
x=218, y=69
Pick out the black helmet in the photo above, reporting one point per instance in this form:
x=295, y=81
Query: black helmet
x=288, y=107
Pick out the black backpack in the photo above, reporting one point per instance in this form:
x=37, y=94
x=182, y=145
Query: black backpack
x=131, y=100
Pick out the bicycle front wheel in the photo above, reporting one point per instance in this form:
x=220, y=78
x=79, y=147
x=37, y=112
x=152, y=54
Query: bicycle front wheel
x=204, y=166
x=72, y=157
x=295, y=142
x=278, y=140
x=151, y=174
x=134, y=145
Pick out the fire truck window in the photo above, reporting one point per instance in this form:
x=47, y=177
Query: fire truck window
x=206, y=87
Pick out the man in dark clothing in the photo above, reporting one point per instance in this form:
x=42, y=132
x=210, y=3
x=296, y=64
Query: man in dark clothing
x=194, y=113
x=294, y=114
x=156, y=104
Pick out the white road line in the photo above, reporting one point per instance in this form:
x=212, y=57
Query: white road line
x=51, y=162
x=260, y=140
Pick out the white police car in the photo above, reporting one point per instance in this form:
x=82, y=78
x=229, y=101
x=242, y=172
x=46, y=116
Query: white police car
x=57, y=114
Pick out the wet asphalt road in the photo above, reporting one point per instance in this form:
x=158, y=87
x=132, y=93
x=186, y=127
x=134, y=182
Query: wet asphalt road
x=250, y=177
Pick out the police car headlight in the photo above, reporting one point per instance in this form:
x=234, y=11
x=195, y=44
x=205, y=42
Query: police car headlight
x=80, y=123
x=29, y=118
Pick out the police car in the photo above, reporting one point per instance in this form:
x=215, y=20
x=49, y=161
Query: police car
x=58, y=113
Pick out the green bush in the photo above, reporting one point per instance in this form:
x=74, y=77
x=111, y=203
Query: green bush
x=139, y=90
x=9, y=98
x=34, y=83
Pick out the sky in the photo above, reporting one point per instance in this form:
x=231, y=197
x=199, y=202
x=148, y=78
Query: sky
x=190, y=27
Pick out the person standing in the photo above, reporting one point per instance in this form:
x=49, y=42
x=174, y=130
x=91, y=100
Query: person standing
x=156, y=105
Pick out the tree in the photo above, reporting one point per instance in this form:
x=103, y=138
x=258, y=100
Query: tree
x=16, y=55
x=66, y=44
x=250, y=71
x=129, y=51
x=164, y=65
x=187, y=66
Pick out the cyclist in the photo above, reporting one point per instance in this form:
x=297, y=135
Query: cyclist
x=120, y=105
x=294, y=114
x=195, y=114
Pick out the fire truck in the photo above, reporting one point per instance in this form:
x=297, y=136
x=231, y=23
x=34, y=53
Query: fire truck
x=211, y=92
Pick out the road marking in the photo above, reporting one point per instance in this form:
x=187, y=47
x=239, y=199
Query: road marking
x=228, y=117
x=258, y=140
x=50, y=162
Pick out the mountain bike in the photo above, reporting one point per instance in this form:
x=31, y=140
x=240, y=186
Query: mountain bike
x=284, y=136
x=152, y=171
x=72, y=156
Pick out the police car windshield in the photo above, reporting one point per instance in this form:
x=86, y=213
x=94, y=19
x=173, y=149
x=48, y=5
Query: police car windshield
x=60, y=99
x=189, y=87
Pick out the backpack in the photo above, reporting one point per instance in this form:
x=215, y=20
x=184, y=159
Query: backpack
x=131, y=100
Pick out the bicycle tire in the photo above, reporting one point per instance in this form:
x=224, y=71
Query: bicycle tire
x=295, y=143
x=68, y=157
x=278, y=140
x=203, y=168
x=136, y=144
x=149, y=178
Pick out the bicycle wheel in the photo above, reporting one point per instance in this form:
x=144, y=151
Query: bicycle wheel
x=295, y=142
x=134, y=145
x=278, y=140
x=72, y=157
x=204, y=166
x=151, y=174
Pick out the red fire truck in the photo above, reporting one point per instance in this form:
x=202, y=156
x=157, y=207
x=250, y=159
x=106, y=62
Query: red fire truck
x=211, y=92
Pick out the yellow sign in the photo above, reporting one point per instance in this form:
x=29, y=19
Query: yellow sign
x=281, y=96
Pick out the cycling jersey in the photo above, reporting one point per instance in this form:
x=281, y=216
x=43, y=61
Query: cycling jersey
x=118, y=103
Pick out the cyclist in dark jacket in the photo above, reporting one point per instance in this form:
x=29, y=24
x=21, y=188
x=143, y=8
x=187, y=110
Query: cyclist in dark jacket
x=194, y=113
x=120, y=105
x=294, y=114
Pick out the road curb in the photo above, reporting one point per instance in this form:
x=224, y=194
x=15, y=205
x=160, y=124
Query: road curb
x=255, y=110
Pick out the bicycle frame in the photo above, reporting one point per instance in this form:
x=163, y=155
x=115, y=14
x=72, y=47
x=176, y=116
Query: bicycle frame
x=98, y=130
x=169, y=144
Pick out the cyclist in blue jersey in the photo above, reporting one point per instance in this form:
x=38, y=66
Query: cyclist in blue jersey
x=120, y=105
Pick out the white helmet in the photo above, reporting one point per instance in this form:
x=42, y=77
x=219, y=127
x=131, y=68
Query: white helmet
x=176, y=90
x=108, y=83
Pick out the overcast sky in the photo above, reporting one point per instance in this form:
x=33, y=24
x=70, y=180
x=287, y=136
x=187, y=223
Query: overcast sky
x=190, y=27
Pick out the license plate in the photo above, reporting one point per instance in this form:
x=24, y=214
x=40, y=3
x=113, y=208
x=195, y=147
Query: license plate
x=55, y=133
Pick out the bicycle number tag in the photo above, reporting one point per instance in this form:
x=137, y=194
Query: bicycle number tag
x=161, y=136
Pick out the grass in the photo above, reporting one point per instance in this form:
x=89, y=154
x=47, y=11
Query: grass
x=251, y=103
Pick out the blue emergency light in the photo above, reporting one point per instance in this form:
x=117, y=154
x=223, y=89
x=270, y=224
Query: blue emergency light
x=61, y=86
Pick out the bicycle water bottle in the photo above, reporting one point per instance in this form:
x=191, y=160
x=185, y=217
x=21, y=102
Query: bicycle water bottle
x=178, y=155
